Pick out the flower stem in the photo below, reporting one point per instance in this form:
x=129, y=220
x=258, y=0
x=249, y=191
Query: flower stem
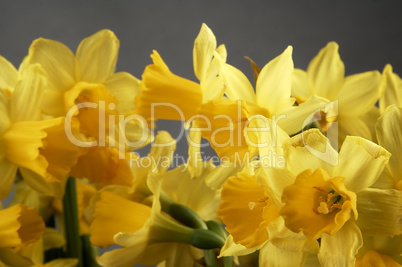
x=71, y=224
x=210, y=258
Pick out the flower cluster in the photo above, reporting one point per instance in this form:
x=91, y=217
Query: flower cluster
x=309, y=170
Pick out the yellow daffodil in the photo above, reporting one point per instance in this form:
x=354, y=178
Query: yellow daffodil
x=179, y=186
x=128, y=200
x=19, y=226
x=33, y=253
x=323, y=201
x=354, y=96
x=164, y=95
x=226, y=119
x=142, y=234
x=251, y=217
x=38, y=148
x=85, y=89
x=193, y=193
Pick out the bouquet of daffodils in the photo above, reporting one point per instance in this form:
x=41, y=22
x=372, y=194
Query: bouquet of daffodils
x=309, y=170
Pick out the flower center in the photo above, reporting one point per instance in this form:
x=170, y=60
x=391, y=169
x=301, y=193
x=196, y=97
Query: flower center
x=328, y=201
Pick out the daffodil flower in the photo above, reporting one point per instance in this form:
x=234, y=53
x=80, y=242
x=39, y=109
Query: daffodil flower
x=20, y=226
x=324, y=201
x=33, y=254
x=251, y=217
x=37, y=147
x=88, y=79
x=228, y=117
x=179, y=187
x=354, y=96
x=172, y=97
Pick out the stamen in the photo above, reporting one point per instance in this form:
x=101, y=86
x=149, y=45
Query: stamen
x=328, y=202
x=323, y=208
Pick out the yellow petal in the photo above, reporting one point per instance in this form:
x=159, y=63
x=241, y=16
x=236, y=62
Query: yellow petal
x=59, y=152
x=42, y=185
x=326, y=71
x=53, y=103
x=359, y=93
x=221, y=50
x=94, y=119
x=264, y=135
x=22, y=143
x=354, y=126
x=8, y=170
x=27, y=96
x=246, y=210
x=194, y=161
x=215, y=80
x=340, y=249
x=62, y=263
x=380, y=212
x=9, y=74
x=309, y=150
x=216, y=179
x=138, y=253
x=102, y=166
x=391, y=85
x=203, y=51
x=274, y=82
x=386, y=180
x=128, y=216
x=97, y=56
x=374, y=258
x=232, y=249
x=42, y=147
x=53, y=239
x=4, y=114
x=300, y=87
x=271, y=255
x=165, y=95
x=238, y=85
x=360, y=162
x=124, y=87
x=162, y=152
x=317, y=204
x=223, y=122
x=48, y=54
x=274, y=181
x=20, y=225
x=9, y=257
x=193, y=192
x=182, y=255
x=389, y=133
x=294, y=119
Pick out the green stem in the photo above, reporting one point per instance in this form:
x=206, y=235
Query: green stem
x=71, y=223
x=90, y=252
x=183, y=214
x=210, y=258
x=218, y=229
x=228, y=261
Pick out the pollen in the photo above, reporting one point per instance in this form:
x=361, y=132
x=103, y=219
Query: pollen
x=323, y=208
x=251, y=205
x=328, y=201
